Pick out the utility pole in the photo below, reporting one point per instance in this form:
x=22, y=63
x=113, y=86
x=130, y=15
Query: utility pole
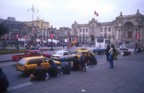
x=33, y=10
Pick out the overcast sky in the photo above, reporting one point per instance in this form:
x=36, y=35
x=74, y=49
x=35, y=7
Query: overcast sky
x=63, y=13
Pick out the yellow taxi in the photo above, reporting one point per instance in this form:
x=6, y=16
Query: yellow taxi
x=86, y=51
x=82, y=50
x=28, y=64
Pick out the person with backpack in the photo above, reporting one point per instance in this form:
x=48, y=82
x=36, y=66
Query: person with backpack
x=112, y=52
x=4, y=83
x=53, y=69
x=65, y=68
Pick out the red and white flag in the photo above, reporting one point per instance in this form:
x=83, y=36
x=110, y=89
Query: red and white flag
x=95, y=13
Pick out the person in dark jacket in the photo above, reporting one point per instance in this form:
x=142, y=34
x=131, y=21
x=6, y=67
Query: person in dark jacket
x=4, y=83
x=65, y=67
x=75, y=64
x=39, y=73
x=83, y=61
x=52, y=70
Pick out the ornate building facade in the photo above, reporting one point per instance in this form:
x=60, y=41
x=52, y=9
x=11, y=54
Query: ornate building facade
x=125, y=28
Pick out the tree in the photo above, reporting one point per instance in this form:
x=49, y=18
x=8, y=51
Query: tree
x=3, y=29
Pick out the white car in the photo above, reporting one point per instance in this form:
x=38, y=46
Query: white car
x=63, y=55
x=123, y=47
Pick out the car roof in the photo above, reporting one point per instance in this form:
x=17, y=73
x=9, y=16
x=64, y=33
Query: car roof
x=35, y=57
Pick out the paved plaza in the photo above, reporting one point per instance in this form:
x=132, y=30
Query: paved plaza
x=126, y=77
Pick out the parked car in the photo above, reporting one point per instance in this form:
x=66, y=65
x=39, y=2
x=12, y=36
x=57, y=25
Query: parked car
x=28, y=64
x=29, y=53
x=79, y=52
x=123, y=47
x=63, y=55
x=99, y=51
x=81, y=49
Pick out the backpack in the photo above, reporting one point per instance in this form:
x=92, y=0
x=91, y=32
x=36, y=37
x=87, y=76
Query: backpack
x=65, y=68
x=114, y=54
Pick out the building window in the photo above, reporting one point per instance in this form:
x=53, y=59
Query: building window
x=83, y=30
x=86, y=30
x=105, y=29
x=109, y=29
x=80, y=30
x=101, y=29
x=130, y=34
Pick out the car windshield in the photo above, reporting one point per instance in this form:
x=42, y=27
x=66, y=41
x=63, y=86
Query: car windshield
x=100, y=40
x=46, y=59
x=79, y=53
x=123, y=46
x=22, y=62
x=107, y=41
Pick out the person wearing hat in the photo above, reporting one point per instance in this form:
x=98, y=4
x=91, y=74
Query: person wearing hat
x=4, y=83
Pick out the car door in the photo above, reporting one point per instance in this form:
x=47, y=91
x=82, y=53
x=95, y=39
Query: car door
x=44, y=64
x=31, y=64
x=67, y=55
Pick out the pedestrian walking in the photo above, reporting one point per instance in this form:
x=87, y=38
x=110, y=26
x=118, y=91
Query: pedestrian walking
x=111, y=56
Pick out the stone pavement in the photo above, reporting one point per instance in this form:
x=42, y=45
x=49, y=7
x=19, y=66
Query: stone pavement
x=126, y=77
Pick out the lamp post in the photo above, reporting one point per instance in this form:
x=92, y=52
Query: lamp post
x=33, y=10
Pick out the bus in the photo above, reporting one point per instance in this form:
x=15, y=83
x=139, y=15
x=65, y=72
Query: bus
x=101, y=43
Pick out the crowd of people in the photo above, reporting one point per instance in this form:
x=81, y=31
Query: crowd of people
x=78, y=64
